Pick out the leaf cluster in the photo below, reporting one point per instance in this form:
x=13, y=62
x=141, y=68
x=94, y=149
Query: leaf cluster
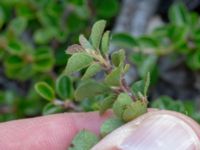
x=63, y=89
x=90, y=57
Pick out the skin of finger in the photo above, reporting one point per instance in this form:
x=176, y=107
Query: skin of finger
x=49, y=132
x=194, y=125
x=109, y=142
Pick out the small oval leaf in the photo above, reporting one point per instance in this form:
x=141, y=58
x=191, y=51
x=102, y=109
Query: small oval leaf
x=45, y=91
x=109, y=125
x=96, y=33
x=107, y=103
x=74, y=49
x=92, y=70
x=124, y=40
x=105, y=42
x=90, y=88
x=51, y=109
x=85, y=43
x=134, y=110
x=113, y=79
x=64, y=86
x=123, y=100
x=84, y=140
x=77, y=62
x=118, y=57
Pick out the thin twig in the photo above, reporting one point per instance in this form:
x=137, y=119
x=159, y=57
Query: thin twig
x=67, y=104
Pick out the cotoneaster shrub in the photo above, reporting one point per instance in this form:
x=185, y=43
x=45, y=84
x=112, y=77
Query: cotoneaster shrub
x=90, y=57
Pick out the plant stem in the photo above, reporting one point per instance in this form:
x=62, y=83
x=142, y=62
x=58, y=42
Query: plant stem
x=123, y=85
x=67, y=104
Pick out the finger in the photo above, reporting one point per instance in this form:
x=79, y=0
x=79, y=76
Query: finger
x=53, y=132
x=156, y=130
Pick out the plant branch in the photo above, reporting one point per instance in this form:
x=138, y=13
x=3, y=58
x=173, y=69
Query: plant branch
x=67, y=104
x=108, y=68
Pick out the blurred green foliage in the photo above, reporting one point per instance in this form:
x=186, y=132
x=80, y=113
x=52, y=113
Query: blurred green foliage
x=186, y=107
x=33, y=39
x=179, y=37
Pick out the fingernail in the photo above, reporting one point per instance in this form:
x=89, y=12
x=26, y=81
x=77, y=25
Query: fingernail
x=161, y=132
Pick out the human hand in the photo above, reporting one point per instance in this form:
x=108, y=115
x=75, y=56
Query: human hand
x=53, y=132
x=153, y=131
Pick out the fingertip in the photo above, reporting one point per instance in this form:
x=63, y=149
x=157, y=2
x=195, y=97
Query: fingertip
x=48, y=132
x=154, y=130
x=188, y=120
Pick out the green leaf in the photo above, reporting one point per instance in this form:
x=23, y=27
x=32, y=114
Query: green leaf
x=134, y=110
x=43, y=65
x=45, y=90
x=193, y=60
x=2, y=17
x=14, y=61
x=85, y=43
x=18, y=25
x=105, y=42
x=96, y=33
x=165, y=102
x=146, y=83
x=43, y=59
x=109, y=125
x=148, y=65
x=190, y=107
x=42, y=53
x=25, y=10
x=118, y=57
x=178, y=14
x=123, y=100
x=15, y=47
x=124, y=40
x=74, y=49
x=76, y=21
x=19, y=71
x=138, y=87
x=51, y=109
x=43, y=36
x=77, y=2
x=64, y=87
x=141, y=87
x=147, y=42
x=92, y=70
x=178, y=34
x=107, y=103
x=77, y=62
x=103, y=8
x=113, y=79
x=126, y=68
x=90, y=88
x=84, y=140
